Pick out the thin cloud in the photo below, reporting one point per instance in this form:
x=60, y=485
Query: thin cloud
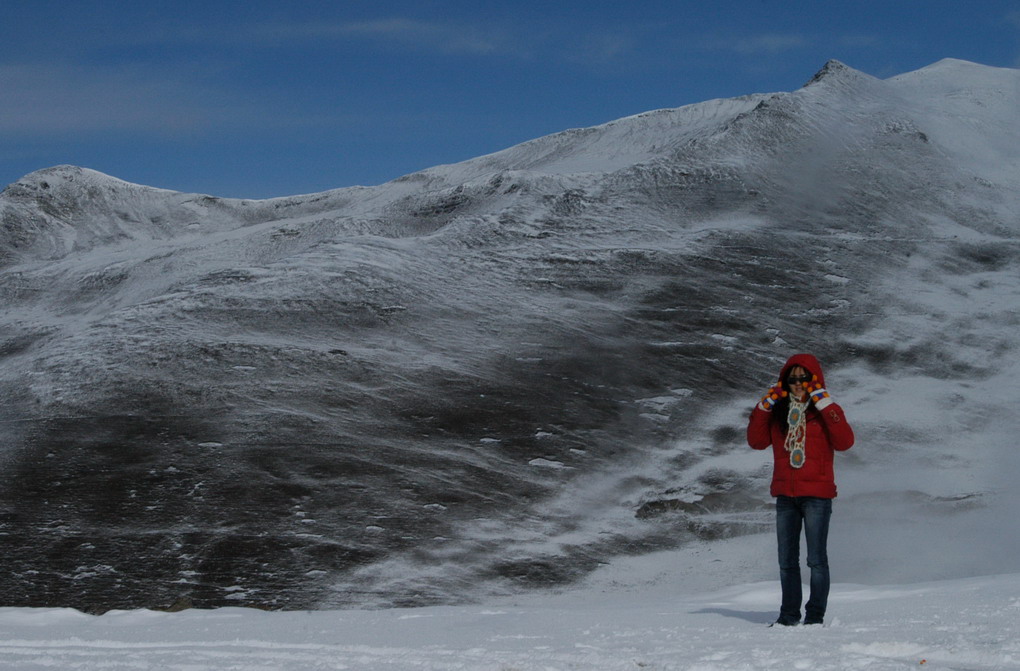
x=48, y=98
x=767, y=44
x=449, y=38
x=601, y=49
x=52, y=99
x=431, y=35
x=403, y=33
x=859, y=41
x=508, y=40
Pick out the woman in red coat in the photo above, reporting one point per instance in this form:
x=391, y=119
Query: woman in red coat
x=805, y=428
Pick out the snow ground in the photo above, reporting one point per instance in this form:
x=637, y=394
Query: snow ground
x=640, y=613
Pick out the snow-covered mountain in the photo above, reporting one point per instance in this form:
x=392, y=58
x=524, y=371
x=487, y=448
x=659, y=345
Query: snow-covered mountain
x=503, y=373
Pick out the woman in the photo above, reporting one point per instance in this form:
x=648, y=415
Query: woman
x=805, y=428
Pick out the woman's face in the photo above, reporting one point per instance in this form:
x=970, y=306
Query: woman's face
x=797, y=380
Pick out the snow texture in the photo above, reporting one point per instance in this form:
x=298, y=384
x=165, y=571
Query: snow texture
x=501, y=375
x=967, y=624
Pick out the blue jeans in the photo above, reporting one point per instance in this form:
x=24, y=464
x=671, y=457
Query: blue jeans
x=813, y=515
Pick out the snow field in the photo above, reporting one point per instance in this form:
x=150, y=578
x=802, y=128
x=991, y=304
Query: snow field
x=968, y=624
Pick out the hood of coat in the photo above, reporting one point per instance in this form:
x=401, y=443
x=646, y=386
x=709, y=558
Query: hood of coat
x=806, y=361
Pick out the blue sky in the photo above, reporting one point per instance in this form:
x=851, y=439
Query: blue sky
x=257, y=99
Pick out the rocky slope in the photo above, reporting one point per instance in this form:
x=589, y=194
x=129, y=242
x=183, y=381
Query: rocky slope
x=496, y=374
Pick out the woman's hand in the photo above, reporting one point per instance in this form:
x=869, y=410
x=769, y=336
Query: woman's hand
x=818, y=393
x=774, y=394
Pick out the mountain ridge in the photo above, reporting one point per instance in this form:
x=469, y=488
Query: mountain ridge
x=493, y=375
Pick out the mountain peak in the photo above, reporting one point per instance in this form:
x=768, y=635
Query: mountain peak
x=72, y=182
x=63, y=173
x=59, y=179
x=953, y=73
x=833, y=70
x=959, y=64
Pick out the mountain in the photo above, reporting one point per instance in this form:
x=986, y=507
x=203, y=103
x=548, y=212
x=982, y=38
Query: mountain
x=501, y=374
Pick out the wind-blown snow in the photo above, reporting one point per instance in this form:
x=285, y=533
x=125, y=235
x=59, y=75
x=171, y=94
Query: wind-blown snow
x=500, y=375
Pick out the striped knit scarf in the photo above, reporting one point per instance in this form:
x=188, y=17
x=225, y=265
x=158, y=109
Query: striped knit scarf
x=796, y=433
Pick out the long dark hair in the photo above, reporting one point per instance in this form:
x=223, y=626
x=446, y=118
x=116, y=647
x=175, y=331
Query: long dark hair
x=781, y=410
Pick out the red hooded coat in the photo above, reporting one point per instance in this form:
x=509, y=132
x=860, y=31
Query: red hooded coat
x=827, y=433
